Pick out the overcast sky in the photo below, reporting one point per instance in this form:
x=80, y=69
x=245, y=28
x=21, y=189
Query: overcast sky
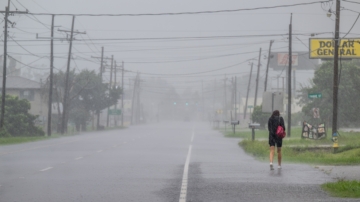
x=164, y=56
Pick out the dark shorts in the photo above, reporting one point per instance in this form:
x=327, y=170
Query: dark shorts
x=273, y=141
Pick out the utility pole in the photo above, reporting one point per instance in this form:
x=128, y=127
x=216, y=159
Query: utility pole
x=51, y=79
x=133, y=99
x=289, y=78
x=294, y=83
x=4, y=69
x=51, y=76
x=336, y=68
x=202, y=98
x=115, y=85
x=110, y=86
x=138, y=109
x=225, y=106
x=66, y=91
x=267, y=66
x=3, y=90
x=248, y=90
x=257, y=78
x=235, y=115
x=122, y=95
x=232, y=98
x=101, y=70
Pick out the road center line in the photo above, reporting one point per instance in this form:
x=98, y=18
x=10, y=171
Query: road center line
x=99, y=151
x=48, y=168
x=184, y=184
x=78, y=158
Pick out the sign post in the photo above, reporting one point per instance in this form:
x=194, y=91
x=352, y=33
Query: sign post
x=114, y=112
x=314, y=95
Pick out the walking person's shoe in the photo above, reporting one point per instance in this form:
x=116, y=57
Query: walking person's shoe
x=271, y=166
x=279, y=167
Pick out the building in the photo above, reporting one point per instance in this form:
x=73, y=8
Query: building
x=32, y=91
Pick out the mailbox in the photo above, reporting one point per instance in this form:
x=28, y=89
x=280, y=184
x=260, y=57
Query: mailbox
x=225, y=121
x=254, y=125
x=235, y=122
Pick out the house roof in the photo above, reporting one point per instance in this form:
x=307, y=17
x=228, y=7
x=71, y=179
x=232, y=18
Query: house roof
x=18, y=82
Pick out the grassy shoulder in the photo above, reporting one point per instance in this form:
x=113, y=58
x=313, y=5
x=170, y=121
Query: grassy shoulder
x=342, y=188
x=298, y=150
x=19, y=140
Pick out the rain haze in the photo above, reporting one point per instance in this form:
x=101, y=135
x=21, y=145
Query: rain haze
x=155, y=100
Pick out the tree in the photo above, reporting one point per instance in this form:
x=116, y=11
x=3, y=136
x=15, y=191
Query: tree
x=348, y=97
x=259, y=116
x=87, y=94
x=17, y=120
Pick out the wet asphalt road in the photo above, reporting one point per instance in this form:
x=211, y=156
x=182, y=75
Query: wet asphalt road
x=146, y=163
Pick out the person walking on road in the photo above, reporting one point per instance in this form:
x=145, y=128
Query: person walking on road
x=274, y=121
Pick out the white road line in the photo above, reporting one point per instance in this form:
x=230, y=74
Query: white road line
x=78, y=158
x=99, y=151
x=48, y=168
x=184, y=183
x=192, y=137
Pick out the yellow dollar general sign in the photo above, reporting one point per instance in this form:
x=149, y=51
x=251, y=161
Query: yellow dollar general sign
x=324, y=48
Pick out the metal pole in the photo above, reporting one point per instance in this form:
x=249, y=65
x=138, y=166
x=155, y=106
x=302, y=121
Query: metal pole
x=225, y=106
x=248, y=90
x=336, y=64
x=66, y=93
x=3, y=93
x=294, y=83
x=202, y=99
x=110, y=86
x=100, y=73
x=289, y=79
x=115, y=117
x=122, y=95
x=257, y=78
x=235, y=96
x=267, y=66
x=133, y=99
x=51, y=76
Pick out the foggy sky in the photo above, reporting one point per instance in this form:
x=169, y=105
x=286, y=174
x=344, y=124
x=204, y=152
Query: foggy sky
x=154, y=56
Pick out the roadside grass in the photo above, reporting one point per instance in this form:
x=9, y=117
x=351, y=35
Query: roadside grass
x=260, y=149
x=19, y=140
x=298, y=150
x=342, y=188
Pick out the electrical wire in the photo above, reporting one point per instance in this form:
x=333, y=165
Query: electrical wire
x=190, y=13
x=194, y=73
x=351, y=1
x=352, y=26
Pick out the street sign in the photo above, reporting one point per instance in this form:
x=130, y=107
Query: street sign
x=324, y=48
x=250, y=106
x=314, y=95
x=114, y=112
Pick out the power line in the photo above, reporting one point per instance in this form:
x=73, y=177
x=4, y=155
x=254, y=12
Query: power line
x=351, y=2
x=188, y=13
x=194, y=73
x=352, y=26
